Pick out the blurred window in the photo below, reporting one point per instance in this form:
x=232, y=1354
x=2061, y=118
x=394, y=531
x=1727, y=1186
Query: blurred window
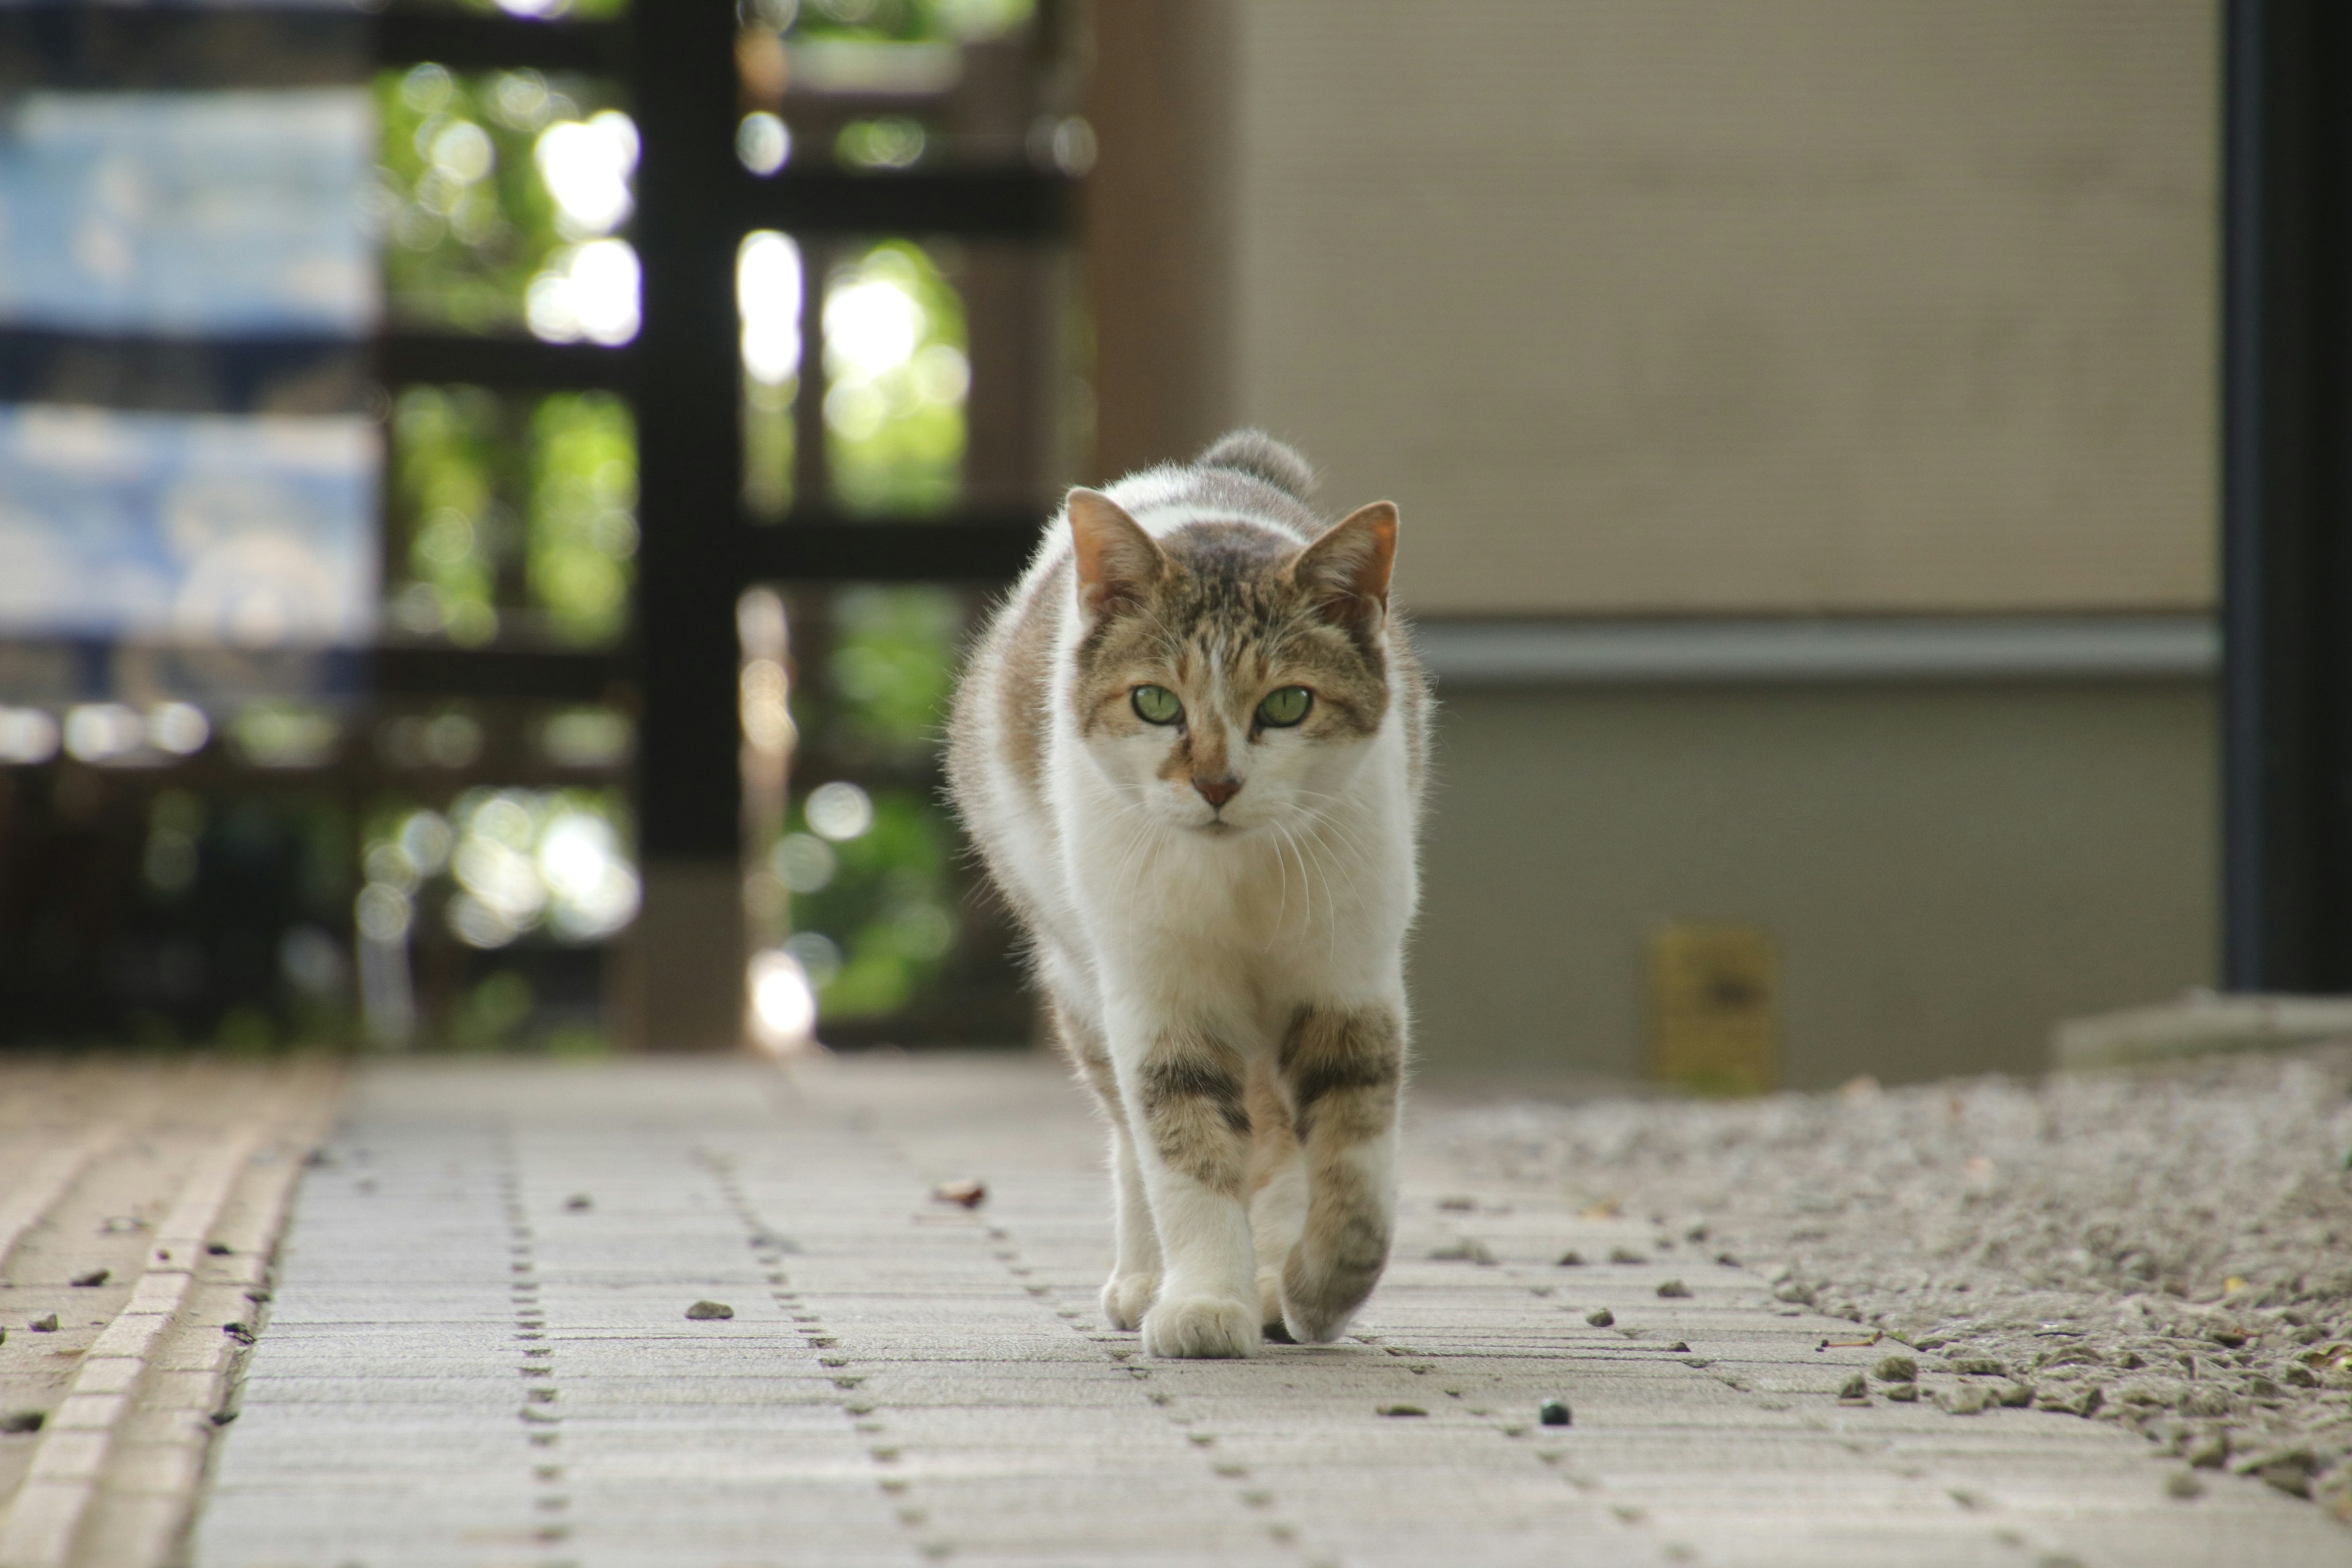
x=322, y=352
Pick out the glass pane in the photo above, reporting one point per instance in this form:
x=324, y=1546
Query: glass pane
x=199, y=529
x=512, y=516
x=863, y=877
x=500, y=198
x=885, y=85
x=188, y=214
x=480, y=914
x=532, y=10
x=895, y=374
x=768, y=302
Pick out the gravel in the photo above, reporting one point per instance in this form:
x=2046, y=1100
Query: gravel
x=2169, y=1250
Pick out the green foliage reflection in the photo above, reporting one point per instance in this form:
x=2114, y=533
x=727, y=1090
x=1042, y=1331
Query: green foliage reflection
x=468, y=216
x=905, y=21
x=896, y=377
x=511, y=505
x=871, y=872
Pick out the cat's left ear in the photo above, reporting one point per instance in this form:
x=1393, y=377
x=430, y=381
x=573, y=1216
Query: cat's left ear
x=1347, y=570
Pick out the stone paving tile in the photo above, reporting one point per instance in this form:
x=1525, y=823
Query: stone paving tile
x=463, y=1368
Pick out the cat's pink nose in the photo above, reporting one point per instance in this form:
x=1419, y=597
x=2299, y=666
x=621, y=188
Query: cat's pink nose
x=1216, y=792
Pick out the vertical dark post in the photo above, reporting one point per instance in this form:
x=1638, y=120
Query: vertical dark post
x=689, y=958
x=1158, y=228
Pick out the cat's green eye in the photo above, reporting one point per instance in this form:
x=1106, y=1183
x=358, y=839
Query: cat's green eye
x=1157, y=705
x=1285, y=707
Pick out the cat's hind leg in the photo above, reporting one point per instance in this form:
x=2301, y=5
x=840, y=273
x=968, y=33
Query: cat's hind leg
x=1135, y=1276
x=1278, y=1185
x=1344, y=1067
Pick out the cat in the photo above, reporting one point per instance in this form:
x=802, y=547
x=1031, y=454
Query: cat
x=1191, y=747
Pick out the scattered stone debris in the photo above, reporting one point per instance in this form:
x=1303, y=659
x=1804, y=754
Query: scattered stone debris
x=1600, y=1317
x=48, y=1325
x=703, y=1311
x=579, y=1203
x=1400, y=1410
x=1896, y=1369
x=1554, y=1413
x=1571, y=1259
x=23, y=1421
x=95, y=1276
x=1856, y=1390
x=1625, y=1255
x=1466, y=1250
x=1674, y=1289
x=1965, y=1399
x=2163, y=1249
x=968, y=1193
x=1902, y=1393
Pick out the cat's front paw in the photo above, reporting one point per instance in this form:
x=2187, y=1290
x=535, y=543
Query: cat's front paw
x=1127, y=1297
x=1205, y=1326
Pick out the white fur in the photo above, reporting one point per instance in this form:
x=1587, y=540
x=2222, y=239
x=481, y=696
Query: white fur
x=1146, y=916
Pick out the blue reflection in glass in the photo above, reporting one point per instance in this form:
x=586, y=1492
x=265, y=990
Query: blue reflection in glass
x=208, y=213
x=254, y=532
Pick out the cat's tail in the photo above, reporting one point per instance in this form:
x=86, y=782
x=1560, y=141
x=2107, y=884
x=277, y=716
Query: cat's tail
x=1260, y=455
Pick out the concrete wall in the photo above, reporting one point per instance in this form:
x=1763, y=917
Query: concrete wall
x=1947, y=870
x=1686, y=310
x=1741, y=305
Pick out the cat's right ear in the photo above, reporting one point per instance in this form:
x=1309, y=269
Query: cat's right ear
x=1117, y=561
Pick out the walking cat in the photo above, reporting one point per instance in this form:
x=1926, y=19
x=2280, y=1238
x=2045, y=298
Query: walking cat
x=1191, y=747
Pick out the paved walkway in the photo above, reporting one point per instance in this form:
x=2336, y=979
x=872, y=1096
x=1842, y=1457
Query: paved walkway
x=479, y=1354
x=139, y=1205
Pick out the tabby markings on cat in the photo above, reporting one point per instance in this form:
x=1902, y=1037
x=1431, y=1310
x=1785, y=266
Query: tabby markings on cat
x=1190, y=747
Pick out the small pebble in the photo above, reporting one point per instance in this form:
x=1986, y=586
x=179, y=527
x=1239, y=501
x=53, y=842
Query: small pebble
x=95, y=1276
x=1979, y=1366
x=1600, y=1317
x=1553, y=1413
x=1571, y=1259
x=702, y=1311
x=579, y=1203
x=1625, y=1255
x=48, y=1325
x=23, y=1421
x=968, y=1193
x=238, y=1332
x=217, y=1248
x=1904, y=1393
x=1674, y=1289
x=2185, y=1486
x=1457, y=1203
x=1401, y=1410
x=1967, y=1399
x=1856, y=1388
x=1466, y=1250
x=2209, y=1452
x=1896, y=1369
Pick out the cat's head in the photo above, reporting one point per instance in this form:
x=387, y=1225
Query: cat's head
x=1228, y=677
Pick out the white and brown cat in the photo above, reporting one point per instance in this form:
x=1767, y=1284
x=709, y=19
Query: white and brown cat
x=1191, y=747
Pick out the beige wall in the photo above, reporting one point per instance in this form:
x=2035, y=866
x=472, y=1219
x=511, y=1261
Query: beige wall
x=1739, y=305
x=1947, y=870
